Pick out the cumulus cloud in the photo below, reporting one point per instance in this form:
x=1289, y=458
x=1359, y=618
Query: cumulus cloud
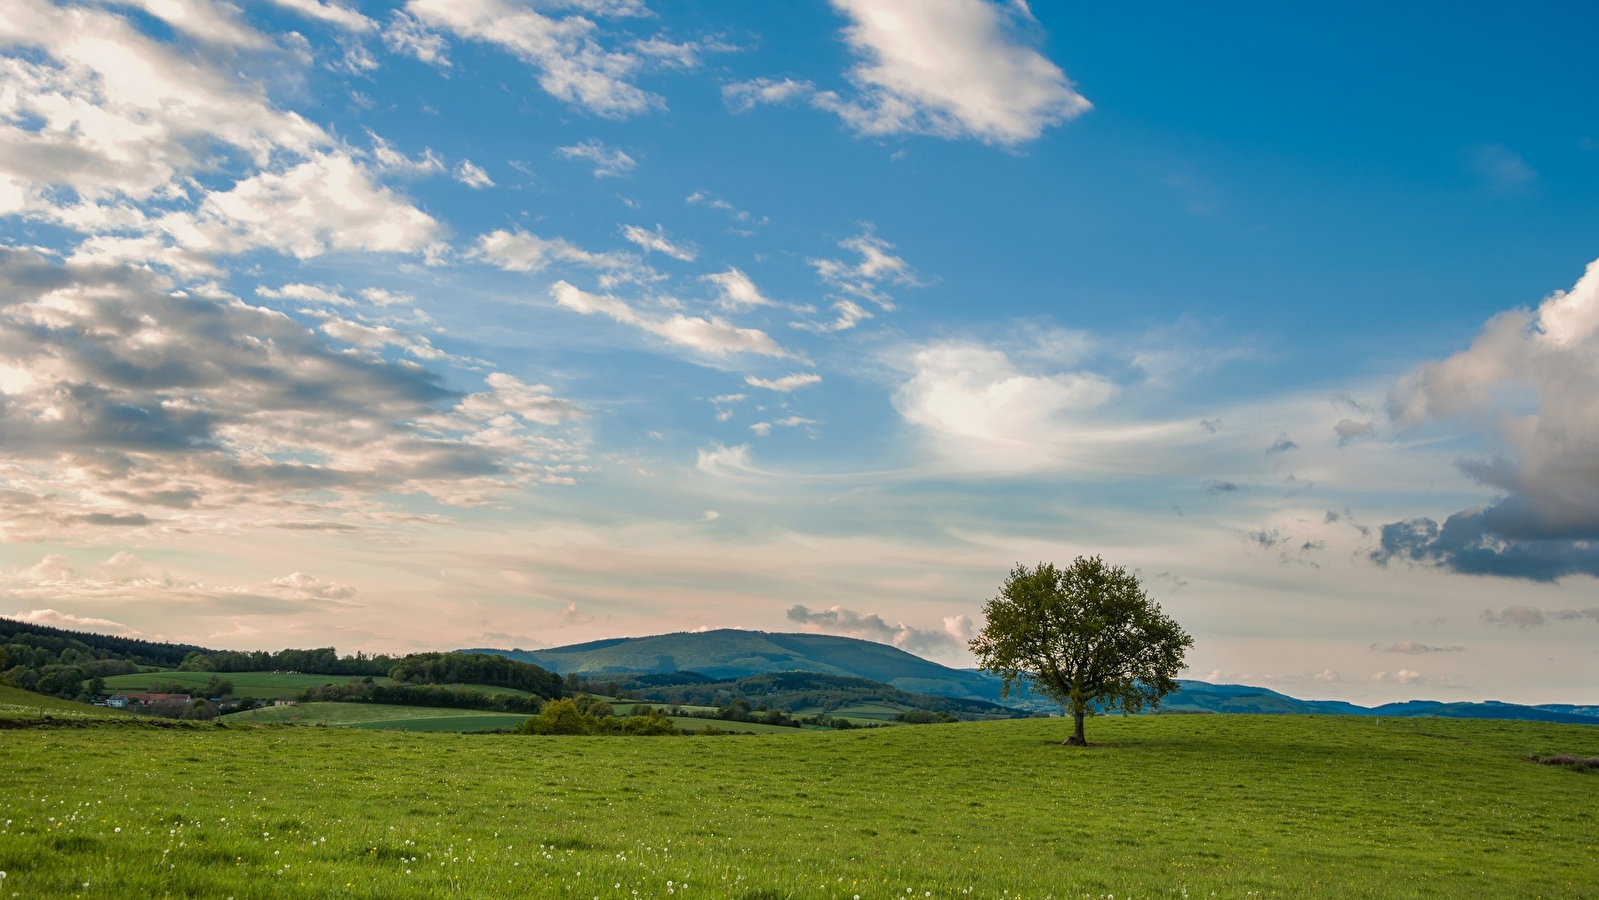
x=976, y=399
x=657, y=241
x=1403, y=676
x=1413, y=648
x=608, y=162
x=326, y=204
x=1534, y=617
x=566, y=51
x=785, y=383
x=1530, y=384
x=97, y=110
x=129, y=403
x=956, y=632
x=712, y=336
x=950, y=68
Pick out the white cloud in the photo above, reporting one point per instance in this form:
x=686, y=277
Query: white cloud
x=203, y=20
x=850, y=314
x=134, y=406
x=309, y=293
x=56, y=619
x=950, y=68
x=472, y=176
x=326, y=204
x=712, y=336
x=976, y=400
x=658, y=241
x=391, y=160
x=572, y=65
x=405, y=34
x=863, y=279
x=744, y=96
x=107, y=114
x=872, y=627
x=786, y=383
x=720, y=460
x=518, y=251
x=738, y=292
x=331, y=13
x=608, y=162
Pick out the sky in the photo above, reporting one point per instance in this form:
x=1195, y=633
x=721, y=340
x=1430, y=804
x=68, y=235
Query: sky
x=519, y=323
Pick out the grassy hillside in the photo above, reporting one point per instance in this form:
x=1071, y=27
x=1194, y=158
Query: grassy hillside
x=264, y=685
x=16, y=703
x=1162, y=806
x=371, y=715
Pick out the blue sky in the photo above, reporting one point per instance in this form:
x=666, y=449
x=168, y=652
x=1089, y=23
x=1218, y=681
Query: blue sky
x=523, y=323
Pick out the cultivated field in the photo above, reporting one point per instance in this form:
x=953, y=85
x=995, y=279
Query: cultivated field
x=1162, y=806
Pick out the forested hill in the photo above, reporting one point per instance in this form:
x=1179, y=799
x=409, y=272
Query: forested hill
x=732, y=653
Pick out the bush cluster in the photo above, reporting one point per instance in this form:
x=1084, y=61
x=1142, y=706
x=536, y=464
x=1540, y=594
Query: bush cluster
x=567, y=716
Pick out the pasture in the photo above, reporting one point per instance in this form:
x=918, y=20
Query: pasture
x=1161, y=806
x=374, y=715
x=253, y=685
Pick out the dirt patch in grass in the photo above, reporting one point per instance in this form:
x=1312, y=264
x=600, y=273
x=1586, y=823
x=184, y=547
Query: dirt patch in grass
x=1568, y=761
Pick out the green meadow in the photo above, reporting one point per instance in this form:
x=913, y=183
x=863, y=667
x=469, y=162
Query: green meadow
x=263, y=685
x=374, y=715
x=1161, y=806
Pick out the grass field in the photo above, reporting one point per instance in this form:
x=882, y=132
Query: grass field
x=373, y=715
x=16, y=703
x=1162, y=806
x=264, y=685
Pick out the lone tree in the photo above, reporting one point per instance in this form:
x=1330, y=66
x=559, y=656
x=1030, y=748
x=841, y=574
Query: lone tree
x=1087, y=636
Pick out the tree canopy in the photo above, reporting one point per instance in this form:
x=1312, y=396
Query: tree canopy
x=1087, y=636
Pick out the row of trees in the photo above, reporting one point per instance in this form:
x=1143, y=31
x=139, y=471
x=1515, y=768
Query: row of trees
x=434, y=695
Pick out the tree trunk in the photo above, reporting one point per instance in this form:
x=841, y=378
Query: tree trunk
x=1077, y=739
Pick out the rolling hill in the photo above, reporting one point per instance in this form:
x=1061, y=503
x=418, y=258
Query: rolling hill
x=730, y=653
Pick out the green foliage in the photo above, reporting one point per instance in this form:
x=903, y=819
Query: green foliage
x=197, y=662
x=476, y=668
x=573, y=717
x=453, y=697
x=1235, y=806
x=1087, y=636
x=792, y=692
x=558, y=717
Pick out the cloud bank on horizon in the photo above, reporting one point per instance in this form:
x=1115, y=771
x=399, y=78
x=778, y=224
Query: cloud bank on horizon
x=409, y=324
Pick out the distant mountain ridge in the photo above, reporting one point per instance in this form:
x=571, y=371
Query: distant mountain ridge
x=734, y=653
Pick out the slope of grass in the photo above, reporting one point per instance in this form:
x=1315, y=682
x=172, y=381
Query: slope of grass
x=263, y=685
x=1162, y=806
x=16, y=703
x=373, y=715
